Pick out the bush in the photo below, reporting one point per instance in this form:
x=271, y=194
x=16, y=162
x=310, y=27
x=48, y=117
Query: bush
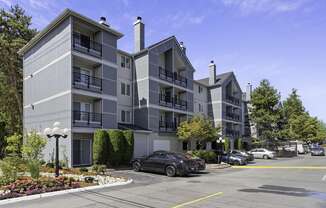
x=34, y=168
x=100, y=147
x=116, y=147
x=14, y=144
x=99, y=169
x=11, y=167
x=227, y=145
x=32, y=149
x=83, y=170
x=208, y=156
x=129, y=146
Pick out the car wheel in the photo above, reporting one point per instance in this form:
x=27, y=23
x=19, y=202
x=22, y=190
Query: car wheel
x=136, y=166
x=170, y=171
x=265, y=157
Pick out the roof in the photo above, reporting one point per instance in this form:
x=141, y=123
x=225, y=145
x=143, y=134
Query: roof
x=220, y=78
x=66, y=13
x=125, y=126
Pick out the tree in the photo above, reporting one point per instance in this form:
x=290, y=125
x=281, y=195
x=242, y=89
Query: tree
x=15, y=32
x=197, y=128
x=14, y=144
x=32, y=149
x=266, y=112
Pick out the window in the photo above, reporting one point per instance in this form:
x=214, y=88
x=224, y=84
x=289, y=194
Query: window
x=128, y=90
x=123, y=88
x=125, y=62
x=200, y=89
x=125, y=116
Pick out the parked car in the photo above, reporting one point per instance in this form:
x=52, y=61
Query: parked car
x=262, y=153
x=317, y=151
x=170, y=163
x=233, y=159
x=248, y=156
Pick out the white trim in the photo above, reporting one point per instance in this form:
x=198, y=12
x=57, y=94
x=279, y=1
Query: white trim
x=219, y=102
x=227, y=120
x=93, y=94
x=163, y=82
x=48, y=98
x=46, y=66
x=164, y=108
x=91, y=58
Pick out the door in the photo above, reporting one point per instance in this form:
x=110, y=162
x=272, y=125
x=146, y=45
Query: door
x=151, y=163
x=82, y=154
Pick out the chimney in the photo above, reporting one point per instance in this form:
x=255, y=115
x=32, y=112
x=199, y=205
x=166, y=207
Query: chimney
x=183, y=47
x=139, y=35
x=248, y=92
x=212, y=73
x=103, y=21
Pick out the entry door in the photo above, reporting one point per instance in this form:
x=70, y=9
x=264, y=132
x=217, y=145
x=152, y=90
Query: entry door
x=82, y=152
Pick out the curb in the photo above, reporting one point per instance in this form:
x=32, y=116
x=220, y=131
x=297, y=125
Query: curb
x=62, y=192
x=218, y=167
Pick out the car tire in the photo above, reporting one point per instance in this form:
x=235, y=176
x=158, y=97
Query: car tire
x=136, y=166
x=170, y=171
x=265, y=157
x=237, y=163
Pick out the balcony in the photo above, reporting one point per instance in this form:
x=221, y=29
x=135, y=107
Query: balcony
x=180, y=104
x=166, y=101
x=165, y=126
x=87, y=119
x=232, y=99
x=232, y=133
x=84, y=44
x=180, y=80
x=86, y=82
x=171, y=77
x=232, y=116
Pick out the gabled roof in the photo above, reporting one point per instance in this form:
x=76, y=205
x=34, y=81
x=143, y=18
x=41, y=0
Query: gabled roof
x=65, y=14
x=220, y=79
x=162, y=42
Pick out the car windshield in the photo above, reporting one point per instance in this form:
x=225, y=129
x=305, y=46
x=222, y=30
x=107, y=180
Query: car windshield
x=182, y=156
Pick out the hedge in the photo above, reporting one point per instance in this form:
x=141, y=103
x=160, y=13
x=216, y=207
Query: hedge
x=129, y=145
x=208, y=156
x=116, y=147
x=100, y=147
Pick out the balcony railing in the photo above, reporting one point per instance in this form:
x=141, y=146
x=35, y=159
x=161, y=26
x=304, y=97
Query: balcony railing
x=168, y=101
x=232, y=133
x=172, y=77
x=180, y=104
x=87, y=119
x=233, y=99
x=167, y=126
x=232, y=116
x=180, y=80
x=83, y=44
x=86, y=82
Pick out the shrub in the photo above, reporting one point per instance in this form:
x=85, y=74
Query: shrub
x=34, y=168
x=100, y=147
x=32, y=149
x=11, y=167
x=129, y=146
x=239, y=144
x=227, y=144
x=14, y=144
x=208, y=156
x=99, y=169
x=116, y=147
x=83, y=170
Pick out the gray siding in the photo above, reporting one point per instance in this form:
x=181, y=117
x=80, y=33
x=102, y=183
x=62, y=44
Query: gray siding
x=141, y=117
x=109, y=80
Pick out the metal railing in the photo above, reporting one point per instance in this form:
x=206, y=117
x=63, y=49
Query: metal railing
x=175, y=102
x=233, y=99
x=87, y=119
x=169, y=76
x=180, y=104
x=232, y=116
x=166, y=100
x=87, y=46
x=84, y=81
x=166, y=126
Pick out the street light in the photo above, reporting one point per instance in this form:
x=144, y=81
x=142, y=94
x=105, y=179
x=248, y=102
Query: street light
x=56, y=132
x=220, y=141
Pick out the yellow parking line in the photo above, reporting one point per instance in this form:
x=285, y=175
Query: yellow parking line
x=281, y=167
x=197, y=200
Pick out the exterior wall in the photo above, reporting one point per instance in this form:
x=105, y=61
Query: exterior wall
x=200, y=98
x=47, y=90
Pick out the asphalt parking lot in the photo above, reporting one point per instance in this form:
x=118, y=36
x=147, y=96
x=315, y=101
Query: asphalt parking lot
x=293, y=182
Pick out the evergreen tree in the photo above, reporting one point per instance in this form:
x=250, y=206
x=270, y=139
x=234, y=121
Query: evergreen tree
x=266, y=112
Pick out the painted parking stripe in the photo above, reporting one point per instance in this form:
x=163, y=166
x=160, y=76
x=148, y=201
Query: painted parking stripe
x=197, y=200
x=281, y=167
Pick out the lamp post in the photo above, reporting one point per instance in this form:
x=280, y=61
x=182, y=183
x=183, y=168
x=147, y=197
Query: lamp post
x=56, y=132
x=220, y=141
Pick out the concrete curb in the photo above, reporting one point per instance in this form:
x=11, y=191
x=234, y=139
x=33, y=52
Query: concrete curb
x=56, y=193
x=215, y=167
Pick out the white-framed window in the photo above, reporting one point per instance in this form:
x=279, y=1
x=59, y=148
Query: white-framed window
x=125, y=62
x=125, y=116
x=125, y=89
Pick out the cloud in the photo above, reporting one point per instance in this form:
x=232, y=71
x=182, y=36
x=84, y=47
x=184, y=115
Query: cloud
x=180, y=19
x=265, y=6
x=8, y=3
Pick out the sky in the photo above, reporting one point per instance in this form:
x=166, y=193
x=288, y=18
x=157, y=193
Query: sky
x=283, y=41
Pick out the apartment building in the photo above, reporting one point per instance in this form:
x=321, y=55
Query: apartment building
x=75, y=74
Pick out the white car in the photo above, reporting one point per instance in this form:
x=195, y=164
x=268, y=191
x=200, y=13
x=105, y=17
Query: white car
x=262, y=153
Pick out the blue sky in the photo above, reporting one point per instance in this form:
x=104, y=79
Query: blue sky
x=283, y=41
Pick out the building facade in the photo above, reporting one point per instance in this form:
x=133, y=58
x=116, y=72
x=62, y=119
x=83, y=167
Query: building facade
x=75, y=74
